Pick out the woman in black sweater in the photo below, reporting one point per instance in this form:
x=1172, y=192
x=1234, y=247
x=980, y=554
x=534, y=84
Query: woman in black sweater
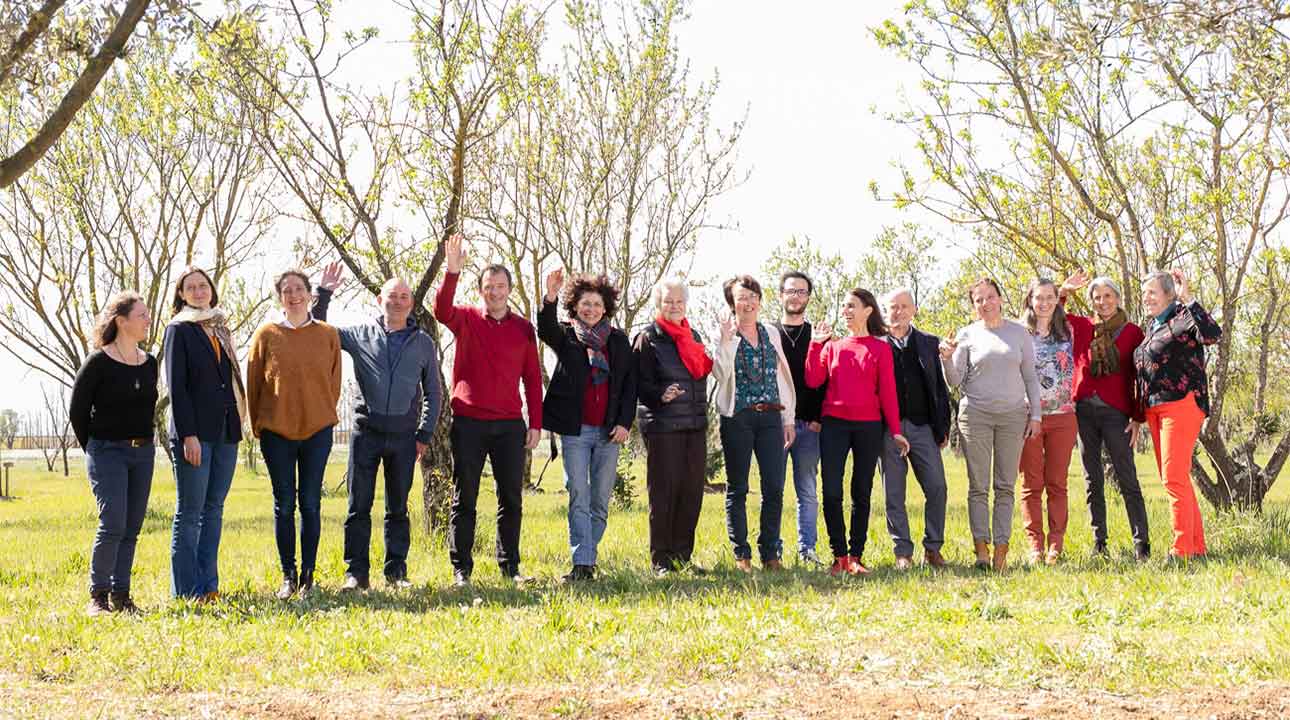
x=114, y=399
x=589, y=403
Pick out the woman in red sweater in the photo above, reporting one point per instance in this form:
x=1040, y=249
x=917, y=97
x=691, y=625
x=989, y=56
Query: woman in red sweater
x=859, y=403
x=1105, y=406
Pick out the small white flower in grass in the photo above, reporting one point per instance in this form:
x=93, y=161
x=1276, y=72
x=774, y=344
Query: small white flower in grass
x=477, y=602
x=31, y=639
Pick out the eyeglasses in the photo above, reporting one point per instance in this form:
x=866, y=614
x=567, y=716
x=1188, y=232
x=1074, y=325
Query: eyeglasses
x=800, y=293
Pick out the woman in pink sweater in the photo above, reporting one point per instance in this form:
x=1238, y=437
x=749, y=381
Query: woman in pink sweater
x=859, y=403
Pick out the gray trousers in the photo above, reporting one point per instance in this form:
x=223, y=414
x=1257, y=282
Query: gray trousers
x=929, y=471
x=992, y=448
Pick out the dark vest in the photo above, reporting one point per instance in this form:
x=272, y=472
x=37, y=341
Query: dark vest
x=687, y=412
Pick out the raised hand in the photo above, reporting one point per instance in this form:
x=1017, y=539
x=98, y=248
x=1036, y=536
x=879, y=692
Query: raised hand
x=454, y=254
x=822, y=333
x=554, y=281
x=947, y=348
x=728, y=328
x=332, y=277
x=1180, y=286
x=1077, y=280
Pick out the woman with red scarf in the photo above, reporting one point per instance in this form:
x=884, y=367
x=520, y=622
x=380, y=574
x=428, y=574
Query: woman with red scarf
x=672, y=368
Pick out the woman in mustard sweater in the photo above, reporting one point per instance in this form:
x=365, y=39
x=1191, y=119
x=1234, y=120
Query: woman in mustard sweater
x=292, y=386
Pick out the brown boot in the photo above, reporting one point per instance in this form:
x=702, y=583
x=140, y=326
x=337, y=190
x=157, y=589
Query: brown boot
x=1001, y=557
x=982, y=555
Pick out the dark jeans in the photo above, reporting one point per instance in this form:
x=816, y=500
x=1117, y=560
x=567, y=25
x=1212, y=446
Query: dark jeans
x=925, y=456
x=121, y=478
x=284, y=458
x=674, y=463
x=502, y=443
x=862, y=440
x=744, y=434
x=1102, y=425
x=199, y=517
x=398, y=453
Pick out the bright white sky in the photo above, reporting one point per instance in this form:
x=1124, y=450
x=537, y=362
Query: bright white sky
x=813, y=84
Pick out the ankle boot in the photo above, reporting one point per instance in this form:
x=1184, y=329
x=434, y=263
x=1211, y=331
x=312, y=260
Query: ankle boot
x=121, y=602
x=982, y=555
x=289, y=584
x=306, y=582
x=1000, y=557
x=98, y=604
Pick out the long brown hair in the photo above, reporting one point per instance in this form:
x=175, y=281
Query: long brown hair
x=1057, y=327
x=118, y=306
x=874, y=324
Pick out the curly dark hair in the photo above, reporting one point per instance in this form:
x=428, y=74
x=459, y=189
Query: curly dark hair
x=119, y=305
x=580, y=285
x=293, y=272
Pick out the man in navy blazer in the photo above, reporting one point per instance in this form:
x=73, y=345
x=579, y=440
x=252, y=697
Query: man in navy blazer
x=925, y=422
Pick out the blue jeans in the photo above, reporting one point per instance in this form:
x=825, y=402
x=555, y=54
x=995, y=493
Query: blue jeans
x=398, y=453
x=199, y=516
x=590, y=469
x=121, y=478
x=747, y=433
x=283, y=457
x=805, y=453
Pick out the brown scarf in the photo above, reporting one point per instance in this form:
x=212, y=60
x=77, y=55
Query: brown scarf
x=1104, y=357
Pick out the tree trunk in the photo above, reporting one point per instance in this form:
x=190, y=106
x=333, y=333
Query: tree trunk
x=436, y=463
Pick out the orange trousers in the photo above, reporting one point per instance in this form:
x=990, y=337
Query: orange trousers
x=1175, y=426
x=1045, y=464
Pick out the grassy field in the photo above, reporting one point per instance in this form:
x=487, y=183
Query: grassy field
x=781, y=644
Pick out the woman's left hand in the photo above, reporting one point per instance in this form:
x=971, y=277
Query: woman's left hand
x=618, y=435
x=790, y=434
x=1033, y=429
x=902, y=445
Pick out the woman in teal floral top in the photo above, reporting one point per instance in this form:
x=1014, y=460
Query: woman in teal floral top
x=755, y=399
x=1046, y=456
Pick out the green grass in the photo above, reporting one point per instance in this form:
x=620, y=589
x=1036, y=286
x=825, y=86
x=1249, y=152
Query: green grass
x=1086, y=624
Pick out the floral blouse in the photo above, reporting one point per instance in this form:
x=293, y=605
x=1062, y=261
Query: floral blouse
x=756, y=372
x=1055, y=366
x=1170, y=362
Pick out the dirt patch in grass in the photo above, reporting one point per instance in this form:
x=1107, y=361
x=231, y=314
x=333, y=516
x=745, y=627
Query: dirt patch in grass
x=782, y=696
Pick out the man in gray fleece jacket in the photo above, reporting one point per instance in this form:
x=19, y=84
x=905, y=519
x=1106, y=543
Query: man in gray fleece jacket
x=397, y=367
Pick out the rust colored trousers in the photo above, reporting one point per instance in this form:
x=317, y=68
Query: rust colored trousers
x=1045, y=464
x=1175, y=426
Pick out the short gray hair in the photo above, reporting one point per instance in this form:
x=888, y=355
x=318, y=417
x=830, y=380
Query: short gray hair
x=1166, y=281
x=1104, y=281
x=665, y=286
x=891, y=295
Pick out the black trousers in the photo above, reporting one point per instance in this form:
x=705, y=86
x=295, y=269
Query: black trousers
x=862, y=440
x=1102, y=425
x=674, y=475
x=502, y=443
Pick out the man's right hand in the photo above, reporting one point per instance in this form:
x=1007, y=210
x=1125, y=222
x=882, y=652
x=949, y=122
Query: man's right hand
x=331, y=277
x=193, y=450
x=454, y=255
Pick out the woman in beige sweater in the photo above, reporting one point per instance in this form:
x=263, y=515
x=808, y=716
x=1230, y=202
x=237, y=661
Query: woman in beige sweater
x=292, y=386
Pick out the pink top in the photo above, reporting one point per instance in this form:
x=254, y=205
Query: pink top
x=861, y=376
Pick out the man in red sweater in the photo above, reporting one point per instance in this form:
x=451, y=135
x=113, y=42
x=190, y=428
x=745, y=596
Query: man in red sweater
x=496, y=350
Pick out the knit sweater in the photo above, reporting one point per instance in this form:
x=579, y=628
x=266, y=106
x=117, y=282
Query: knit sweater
x=995, y=369
x=293, y=379
x=861, y=379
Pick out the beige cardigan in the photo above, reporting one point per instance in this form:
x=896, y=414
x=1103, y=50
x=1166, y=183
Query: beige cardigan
x=723, y=369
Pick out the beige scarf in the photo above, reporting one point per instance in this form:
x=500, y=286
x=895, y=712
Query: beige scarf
x=216, y=322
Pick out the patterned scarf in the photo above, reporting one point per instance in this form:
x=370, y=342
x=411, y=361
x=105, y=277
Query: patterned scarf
x=1103, y=356
x=214, y=320
x=595, y=337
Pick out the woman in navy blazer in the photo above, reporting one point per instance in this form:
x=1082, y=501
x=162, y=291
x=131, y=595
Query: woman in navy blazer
x=207, y=407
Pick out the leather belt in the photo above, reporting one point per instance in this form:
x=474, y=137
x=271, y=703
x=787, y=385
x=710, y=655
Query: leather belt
x=766, y=407
x=138, y=442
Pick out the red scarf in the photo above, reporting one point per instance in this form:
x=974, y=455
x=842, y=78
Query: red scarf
x=691, y=351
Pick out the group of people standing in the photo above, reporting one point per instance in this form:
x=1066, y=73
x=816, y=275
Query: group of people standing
x=879, y=393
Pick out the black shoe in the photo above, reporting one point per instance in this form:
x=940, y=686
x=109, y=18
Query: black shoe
x=1100, y=552
x=1141, y=555
x=460, y=579
x=121, y=602
x=289, y=586
x=306, y=583
x=662, y=571
x=98, y=604
x=354, y=583
x=580, y=573
x=982, y=565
